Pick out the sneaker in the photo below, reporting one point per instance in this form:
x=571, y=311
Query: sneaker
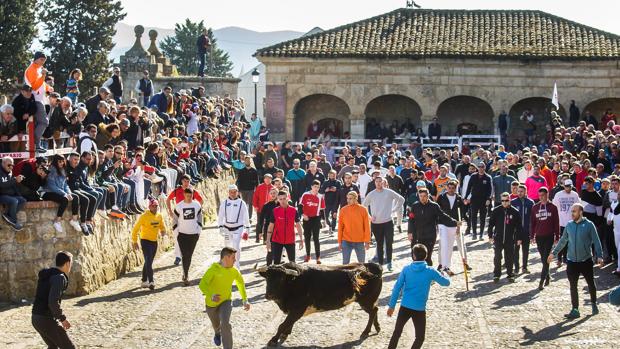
x=116, y=213
x=91, y=231
x=318, y=261
x=547, y=280
x=84, y=229
x=511, y=278
x=185, y=280
x=525, y=271
x=574, y=313
x=177, y=261
x=595, y=310
x=18, y=226
x=389, y=266
x=217, y=339
x=144, y=284
x=439, y=267
x=151, y=286
x=541, y=285
x=306, y=259
x=58, y=226
x=75, y=225
x=496, y=279
x=448, y=271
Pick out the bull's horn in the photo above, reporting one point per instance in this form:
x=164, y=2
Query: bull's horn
x=261, y=269
x=291, y=272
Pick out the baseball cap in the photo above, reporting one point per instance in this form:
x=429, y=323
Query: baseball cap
x=420, y=184
x=568, y=182
x=232, y=187
x=153, y=202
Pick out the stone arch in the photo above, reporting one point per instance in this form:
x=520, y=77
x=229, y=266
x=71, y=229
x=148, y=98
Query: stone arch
x=599, y=106
x=390, y=107
x=462, y=109
x=325, y=109
x=541, y=107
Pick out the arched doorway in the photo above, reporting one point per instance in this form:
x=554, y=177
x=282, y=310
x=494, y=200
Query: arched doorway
x=541, y=107
x=327, y=110
x=392, y=109
x=600, y=106
x=465, y=113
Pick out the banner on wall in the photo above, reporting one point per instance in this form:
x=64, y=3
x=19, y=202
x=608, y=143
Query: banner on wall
x=276, y=108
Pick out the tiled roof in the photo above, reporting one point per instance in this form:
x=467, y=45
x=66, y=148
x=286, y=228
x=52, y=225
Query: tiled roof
x=421, y=33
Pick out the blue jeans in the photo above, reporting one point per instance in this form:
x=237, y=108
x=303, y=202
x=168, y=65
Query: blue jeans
x=348, y=247
x=13, y=205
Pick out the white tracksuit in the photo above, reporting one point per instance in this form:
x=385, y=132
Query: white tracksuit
x=233, y=220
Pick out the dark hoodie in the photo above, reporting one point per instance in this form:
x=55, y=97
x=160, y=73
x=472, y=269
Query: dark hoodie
x=51, y=285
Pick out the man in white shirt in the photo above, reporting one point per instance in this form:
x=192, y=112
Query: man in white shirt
x=362, y=181
x=234, y=221
x=564, y=201
x=188, y=225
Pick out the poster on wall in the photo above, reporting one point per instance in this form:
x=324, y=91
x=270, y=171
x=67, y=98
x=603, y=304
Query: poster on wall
x=276, y=108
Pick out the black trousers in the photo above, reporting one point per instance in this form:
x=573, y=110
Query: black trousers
x=384, y=235
x=276, y=252
x=149, y=249
x=329, y=218
x=508, y=250
x=312, y=227
x=429, y=243
x=525, y=248
x=544, y=245
x=260, y=222
x=573, y=270
x=52, y=332
x=419, y=325
x=63, y=202
x=478, y=209
x=562, y=253
x=88, y=205
x=187, y=244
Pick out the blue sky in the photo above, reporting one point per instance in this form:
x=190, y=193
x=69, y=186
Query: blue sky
x=273, y=15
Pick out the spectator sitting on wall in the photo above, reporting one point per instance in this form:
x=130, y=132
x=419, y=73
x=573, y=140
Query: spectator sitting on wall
x=8, y=128
x=9, y=196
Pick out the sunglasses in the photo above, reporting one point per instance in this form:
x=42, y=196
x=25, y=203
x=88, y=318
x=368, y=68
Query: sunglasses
x=505, y=200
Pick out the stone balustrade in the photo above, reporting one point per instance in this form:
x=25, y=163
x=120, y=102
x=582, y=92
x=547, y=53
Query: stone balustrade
x=98, y=259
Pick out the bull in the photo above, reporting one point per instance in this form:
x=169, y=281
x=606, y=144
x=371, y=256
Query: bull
x=300, y=290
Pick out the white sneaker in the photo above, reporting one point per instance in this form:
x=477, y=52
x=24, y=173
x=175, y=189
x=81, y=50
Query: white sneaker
x=75, y=225
x=58, y=227
x=145, y=284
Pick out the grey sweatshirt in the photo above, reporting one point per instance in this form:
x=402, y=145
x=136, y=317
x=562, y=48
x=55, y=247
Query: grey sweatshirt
x=382, y=204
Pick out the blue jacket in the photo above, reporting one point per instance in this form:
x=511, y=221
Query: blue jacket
x=56, y=183
x=415, y=282
x=525, y=210
x=160, y=100
x=579, y=237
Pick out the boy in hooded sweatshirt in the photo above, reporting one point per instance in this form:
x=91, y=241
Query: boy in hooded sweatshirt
x=415, y=282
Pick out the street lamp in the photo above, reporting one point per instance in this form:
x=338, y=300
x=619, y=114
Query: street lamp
x=255, y=78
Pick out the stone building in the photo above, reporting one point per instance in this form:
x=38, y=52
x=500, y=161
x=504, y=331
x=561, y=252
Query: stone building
x=463, y=66
x=162, y=72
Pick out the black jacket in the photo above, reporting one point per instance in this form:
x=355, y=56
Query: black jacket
x=92, y=103
x=457, y=211
x=423, y=220
x=51, y=285
x=480, y=187
x=312, y=177
x=22, y=105
x=344, y=190
x=247, y=178
x=331, y=197
x=505, y=225
x=396, y=183
x=8, y=184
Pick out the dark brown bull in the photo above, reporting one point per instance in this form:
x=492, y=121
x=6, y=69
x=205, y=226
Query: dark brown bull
x=300, y=290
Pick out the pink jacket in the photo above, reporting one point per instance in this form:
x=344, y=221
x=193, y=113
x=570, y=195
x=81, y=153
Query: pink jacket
x=533, y=183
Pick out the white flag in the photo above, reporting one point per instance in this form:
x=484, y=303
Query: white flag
x=554, y=99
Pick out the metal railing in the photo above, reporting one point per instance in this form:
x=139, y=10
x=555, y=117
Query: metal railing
x=444, y=142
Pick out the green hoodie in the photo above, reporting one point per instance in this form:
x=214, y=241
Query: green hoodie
x=218, y=280
x=579, y=236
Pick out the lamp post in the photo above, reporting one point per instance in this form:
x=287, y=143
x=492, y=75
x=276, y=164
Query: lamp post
x=255, y=78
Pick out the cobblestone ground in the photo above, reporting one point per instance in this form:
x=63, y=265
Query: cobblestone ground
x=121, y=315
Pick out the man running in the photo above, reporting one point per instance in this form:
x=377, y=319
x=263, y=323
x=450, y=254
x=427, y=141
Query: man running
x=580, y=236
x=47, y=316
x=281, y=231
x=148, y=225
x=544, y=231
x=216, y=286
x=234, y=221
x=188, y=225
x=311, y=203
x=382, y=203
x=505, y=230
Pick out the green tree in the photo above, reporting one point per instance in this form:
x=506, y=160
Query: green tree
x=78, y=34
x=181, y=49
x=18, y=28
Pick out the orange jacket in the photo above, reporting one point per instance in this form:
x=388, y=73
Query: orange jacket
x=354, y=224
x=36, y=80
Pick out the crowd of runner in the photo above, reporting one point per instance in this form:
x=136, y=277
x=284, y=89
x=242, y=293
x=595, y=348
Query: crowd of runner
x=126, y=155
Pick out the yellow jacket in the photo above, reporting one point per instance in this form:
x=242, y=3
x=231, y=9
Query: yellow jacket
x=354, y=224
x=148, y=225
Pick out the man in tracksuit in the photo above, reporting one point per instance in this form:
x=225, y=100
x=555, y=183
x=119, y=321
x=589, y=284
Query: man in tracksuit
x=423, y=219
x=47, y=316
x=479, y=191
x=504, y=230
x=524, y=205
x=580, y=237
x=330, y=189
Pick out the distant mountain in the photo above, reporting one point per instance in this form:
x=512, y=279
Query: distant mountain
x=240, y=43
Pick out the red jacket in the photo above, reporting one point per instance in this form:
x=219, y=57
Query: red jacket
x=261, y=196
x=550, y=176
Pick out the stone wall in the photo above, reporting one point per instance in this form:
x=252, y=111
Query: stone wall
x=429, y=82
x=98, y=259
